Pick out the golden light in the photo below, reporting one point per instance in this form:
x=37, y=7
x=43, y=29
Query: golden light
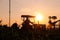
x=39, y=17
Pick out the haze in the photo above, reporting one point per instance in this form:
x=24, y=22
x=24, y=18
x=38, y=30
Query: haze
x=21, y=7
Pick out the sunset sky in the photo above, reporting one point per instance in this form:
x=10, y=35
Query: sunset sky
x=31, y=7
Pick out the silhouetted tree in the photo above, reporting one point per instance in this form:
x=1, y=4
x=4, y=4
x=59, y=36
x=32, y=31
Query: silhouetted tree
x=15, y=26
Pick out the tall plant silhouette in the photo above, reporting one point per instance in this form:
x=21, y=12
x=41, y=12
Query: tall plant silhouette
x=54, y=23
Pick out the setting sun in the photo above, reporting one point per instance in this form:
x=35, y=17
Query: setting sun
x=39, y=17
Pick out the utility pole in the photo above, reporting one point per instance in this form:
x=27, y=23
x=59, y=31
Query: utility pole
x=9, y=12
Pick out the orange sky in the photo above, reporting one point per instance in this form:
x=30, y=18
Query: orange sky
x=20, y=7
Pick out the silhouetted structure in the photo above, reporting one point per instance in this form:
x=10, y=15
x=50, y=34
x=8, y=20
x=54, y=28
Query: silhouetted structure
x=26, y=22
x=39, y=31
x=52, y=23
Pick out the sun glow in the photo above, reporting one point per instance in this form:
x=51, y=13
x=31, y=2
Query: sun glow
x=39, y=17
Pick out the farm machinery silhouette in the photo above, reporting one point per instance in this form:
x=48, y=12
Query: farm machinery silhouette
x=27, y=22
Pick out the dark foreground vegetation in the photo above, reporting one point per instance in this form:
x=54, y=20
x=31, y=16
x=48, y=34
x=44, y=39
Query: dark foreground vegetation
x=28, y=33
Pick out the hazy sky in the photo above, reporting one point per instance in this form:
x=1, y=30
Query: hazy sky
x=19, y=7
